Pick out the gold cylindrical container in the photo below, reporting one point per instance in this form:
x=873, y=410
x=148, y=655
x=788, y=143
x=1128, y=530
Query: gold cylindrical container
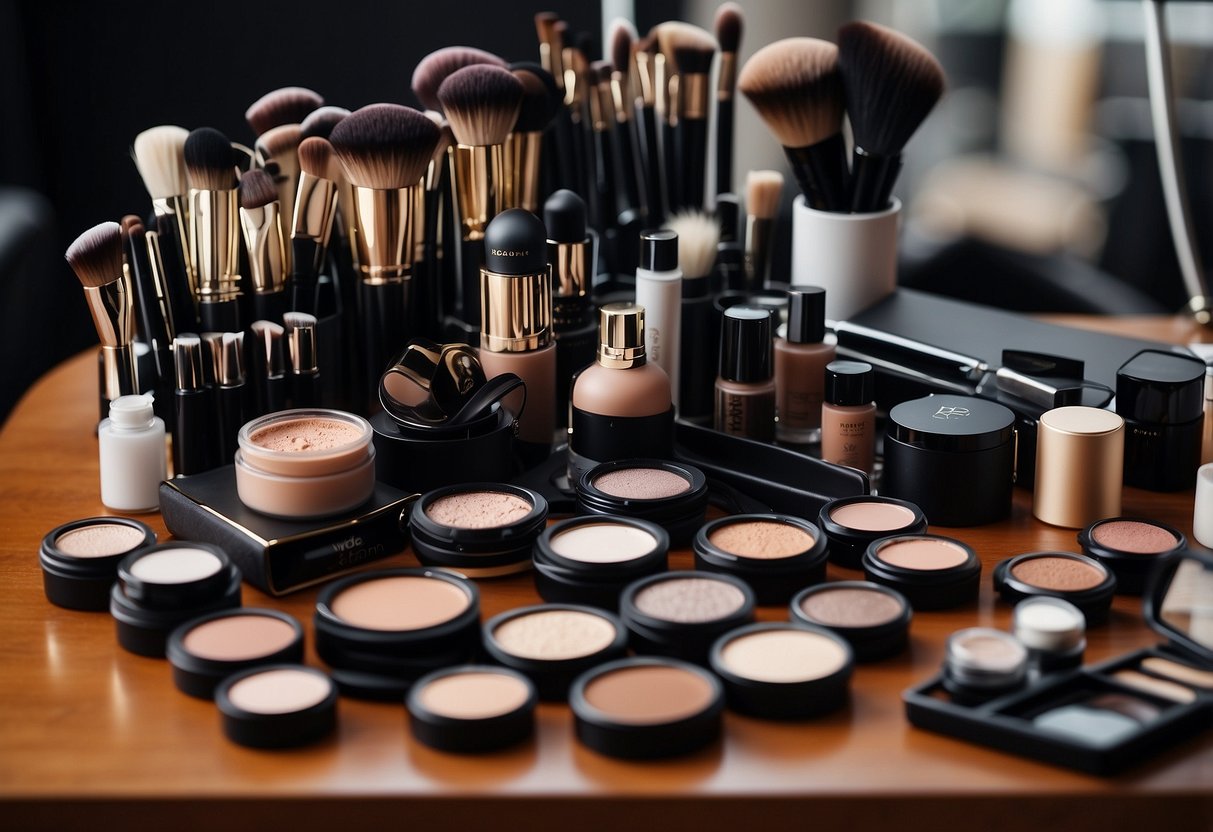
x=478, y=174
x=516, y=311
x=215, y=243
x=384, y=233
x=522, y=158
x=266, y=245
x=1079, y=466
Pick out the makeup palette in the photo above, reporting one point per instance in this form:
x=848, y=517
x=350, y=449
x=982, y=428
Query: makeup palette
x=552, y=643
x=80, y=559
x=672, y=495
x=1131, y=548
x=472, y=709
x=681, y=614
x=874, y=619
x=852, y=523
x=1083, y=581
x=589, y=560
x=773, y=553
x=206, y=650
x=933, y=572
x=277, y=706
x=481, y=530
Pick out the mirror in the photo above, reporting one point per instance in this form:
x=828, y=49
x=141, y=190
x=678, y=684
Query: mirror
x=1187, y=601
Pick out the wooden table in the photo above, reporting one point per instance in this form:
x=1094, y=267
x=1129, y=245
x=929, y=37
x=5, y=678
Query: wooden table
x=92, y=736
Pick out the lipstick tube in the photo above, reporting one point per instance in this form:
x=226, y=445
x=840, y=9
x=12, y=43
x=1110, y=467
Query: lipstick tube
x=263, y=238
x=193, y=447
x=229, y=394
x=215, y=254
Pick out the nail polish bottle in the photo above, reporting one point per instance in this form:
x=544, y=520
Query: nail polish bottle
x=800, y=367
x=848, y=415
x=745, y=389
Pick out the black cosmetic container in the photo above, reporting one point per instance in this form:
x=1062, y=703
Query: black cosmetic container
x=671, y=494
x=589, y=560
x=1133, y=548
x=852, y=524
x=953, y=457
x=80, y=559
x=493, y=536
x=195, y=432
x=874, y=619
x=440, y=718
x=252, y=717
x=681, y=614
x=572, y=256
x=1083, y=581
x=1160, y=395
x=932, y=572
x=200, y=662
x=775, y=554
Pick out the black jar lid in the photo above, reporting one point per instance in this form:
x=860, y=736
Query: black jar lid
x=145, y=630
x=679, y=513
x=256, y=712
x=1095, y=583
x=495, y=709
x=850, y=383
x=807, y=315
x=774, y=553
x=659, y=249
x=666, y=616
x=479, y=545
x=175, y=575
x=204, y=651
x=80, y=559
x=875, y=629
x=951, y=581
x=957, y=424
x=811, y=677
x=746, y=344
x=573, y=565
x=553, y=643
x=848, y=541
x=1160, y=387
x=647, y=708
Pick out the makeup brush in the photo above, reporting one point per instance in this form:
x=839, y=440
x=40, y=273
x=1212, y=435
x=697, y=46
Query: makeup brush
x=891, y=84
x=288, y=105
x=215, y=228
x=261, y=221
x=437, y=66
x=229, y=393
x=693, y=50
x=794, y=85
x=384, y=150
x=319, y=124
x=481, y=103
x=550, y=30
x=729, y=25
x=159, y=155
x=96, y=258
x=321, y=121
x=763, y=189
x=631, y=197
x=541, y=101
x=300, y=330
x=577, y=82
x=551, y=49
x=438, y=288
x=312, y=223
x=151, y=310
x=194, y=448
x=602, y=155
x=698, y=235
x=268, y=368
x=644, y=56
x=277, y=153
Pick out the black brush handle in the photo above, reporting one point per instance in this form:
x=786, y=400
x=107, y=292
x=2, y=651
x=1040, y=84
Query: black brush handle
x=151, y=321
x=604, y=179
x=872, y=180
x=276, y=391
x=383, y=308
x=724, y=146
x=699, y=337
x=220, y=315
x=821, y=171
x=305, y=389
x=176, y=277
x=566, y=151
x=270, y=306
x=194, y=449
x=631, y=197
x=667, y=163
x=304, y=275
x=692, y=163
x=232, y=416
x=471, y=252
x=428, y=291
x=650, y=165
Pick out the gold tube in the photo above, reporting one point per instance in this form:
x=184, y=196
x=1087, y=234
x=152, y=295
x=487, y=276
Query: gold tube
x=479, y=187
x=419, y=224
x=112, y=307
x=646, y=75
x=215, y=243
x=693, y=95
x=523, y=155
x=726, y=80
x=516, y=311
x=315, y=208
x=285, y=171
x=266, y=247
x=156, y=261
x=621, y=101
x=383, y=233
x=177, y=207
x=571, y=268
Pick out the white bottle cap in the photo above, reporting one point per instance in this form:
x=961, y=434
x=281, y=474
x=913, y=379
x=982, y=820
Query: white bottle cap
x=132, y=411
x=1202, y=517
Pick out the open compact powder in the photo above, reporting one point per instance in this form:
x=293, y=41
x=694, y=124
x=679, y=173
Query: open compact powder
x=775, y=554
x=177, y=565
x=670, y=494
x=784, y=655
x=476, y=694
x=874, y=619
x=100, y=540
x=761, y=539
x=399, y=603
x=590, y=559
x=472, y=709
x=481, y=530
x=205, y=651
x=680, y=614
x=642, y=483
x=277, y=706
x=649, y=694
x=235, y=638
x=603, y=543
x=872, y=516
x=690, y=600
x=1062, y=574
x=923, y=553
x=1131, y=548
x=931, y=571
x=80, y=559
x=853, y=523
x=1084, y=582
x=478, y=509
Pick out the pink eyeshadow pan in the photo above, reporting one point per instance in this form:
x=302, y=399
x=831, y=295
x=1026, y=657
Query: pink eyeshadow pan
x=1134, y=536
x=873, y=516
x=642, y=483
x=922, y=553
x=478, y=509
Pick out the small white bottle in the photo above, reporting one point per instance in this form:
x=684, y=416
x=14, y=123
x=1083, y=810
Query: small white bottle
x=133, y=458
x=659, y=291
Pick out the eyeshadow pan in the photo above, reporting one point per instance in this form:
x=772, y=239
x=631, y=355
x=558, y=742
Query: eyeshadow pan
x=99, y=541
x=280, y=691
x=478, y=509
x=761, y=539
x=477, y=694
x=1158, y=687
x=237, y=638
x=649, y=694
x=1058, y=573
x=642, y=483
x=851, y=607
x=1179, y=672
x=873, y=516
x=783, y=655
x=603, y=543
x=1096, y=726
x=1133, y=536
x=555, y=635
x=922, y=553
x=689, y=600
x=399, y=603
x=987, y=649
x=177, y=565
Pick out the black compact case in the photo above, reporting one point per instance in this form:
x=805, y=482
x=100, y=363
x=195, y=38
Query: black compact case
x=1156, y=708
x=1161, y=397
x=83, y=583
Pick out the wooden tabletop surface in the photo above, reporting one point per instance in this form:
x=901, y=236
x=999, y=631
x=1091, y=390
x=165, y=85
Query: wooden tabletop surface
x=91, y=736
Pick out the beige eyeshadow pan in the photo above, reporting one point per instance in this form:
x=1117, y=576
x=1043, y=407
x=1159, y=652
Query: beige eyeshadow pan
x=399, y=603
x=237, y=638
x=649, y=694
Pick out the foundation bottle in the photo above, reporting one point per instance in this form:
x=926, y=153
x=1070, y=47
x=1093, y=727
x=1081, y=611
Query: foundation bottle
x=800, y=367
x=622, y=405
x=848, y=415
x=745, y=389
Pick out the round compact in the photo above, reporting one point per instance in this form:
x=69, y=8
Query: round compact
x=981, y=663
x=481, y=530
x=1053, y=630
x=381, y=631
x=1131, y=548
x=472, y=709
x=774, y=553
x=874, y=619
x=670, y=494
x=681, y=614
x=783, y=671
x=1083, y=581
x=933, y=572
x=277, y=706
x=852, y=523
x=646, y=708
x=80, y=559
x=206, y=650
x=163, y=586
x=589, y=560
x=552, y=643
x=305, y=463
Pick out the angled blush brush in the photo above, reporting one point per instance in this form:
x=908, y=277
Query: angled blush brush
x=312, y=224
x=264, y=239
x=96, y=258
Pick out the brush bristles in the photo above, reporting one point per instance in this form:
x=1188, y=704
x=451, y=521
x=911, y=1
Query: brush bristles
x=891, y=83
x=481, y=103
x=209, y=160
x=96, y=255
x=289, y=105
x=623, y=37
x=795, y=86
x=257, y=190
x=541, y=98
x=698, y=236
x=437, y=66
x=600, y=72
x=159, y=154
x=729, y=25
x=281, y=140
x=298, y=320
x=320, y=123
x=763, y=189
x=131, y=225
x=545, y=25
x=316, y=157
x=675, y=35
x=385, y=146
